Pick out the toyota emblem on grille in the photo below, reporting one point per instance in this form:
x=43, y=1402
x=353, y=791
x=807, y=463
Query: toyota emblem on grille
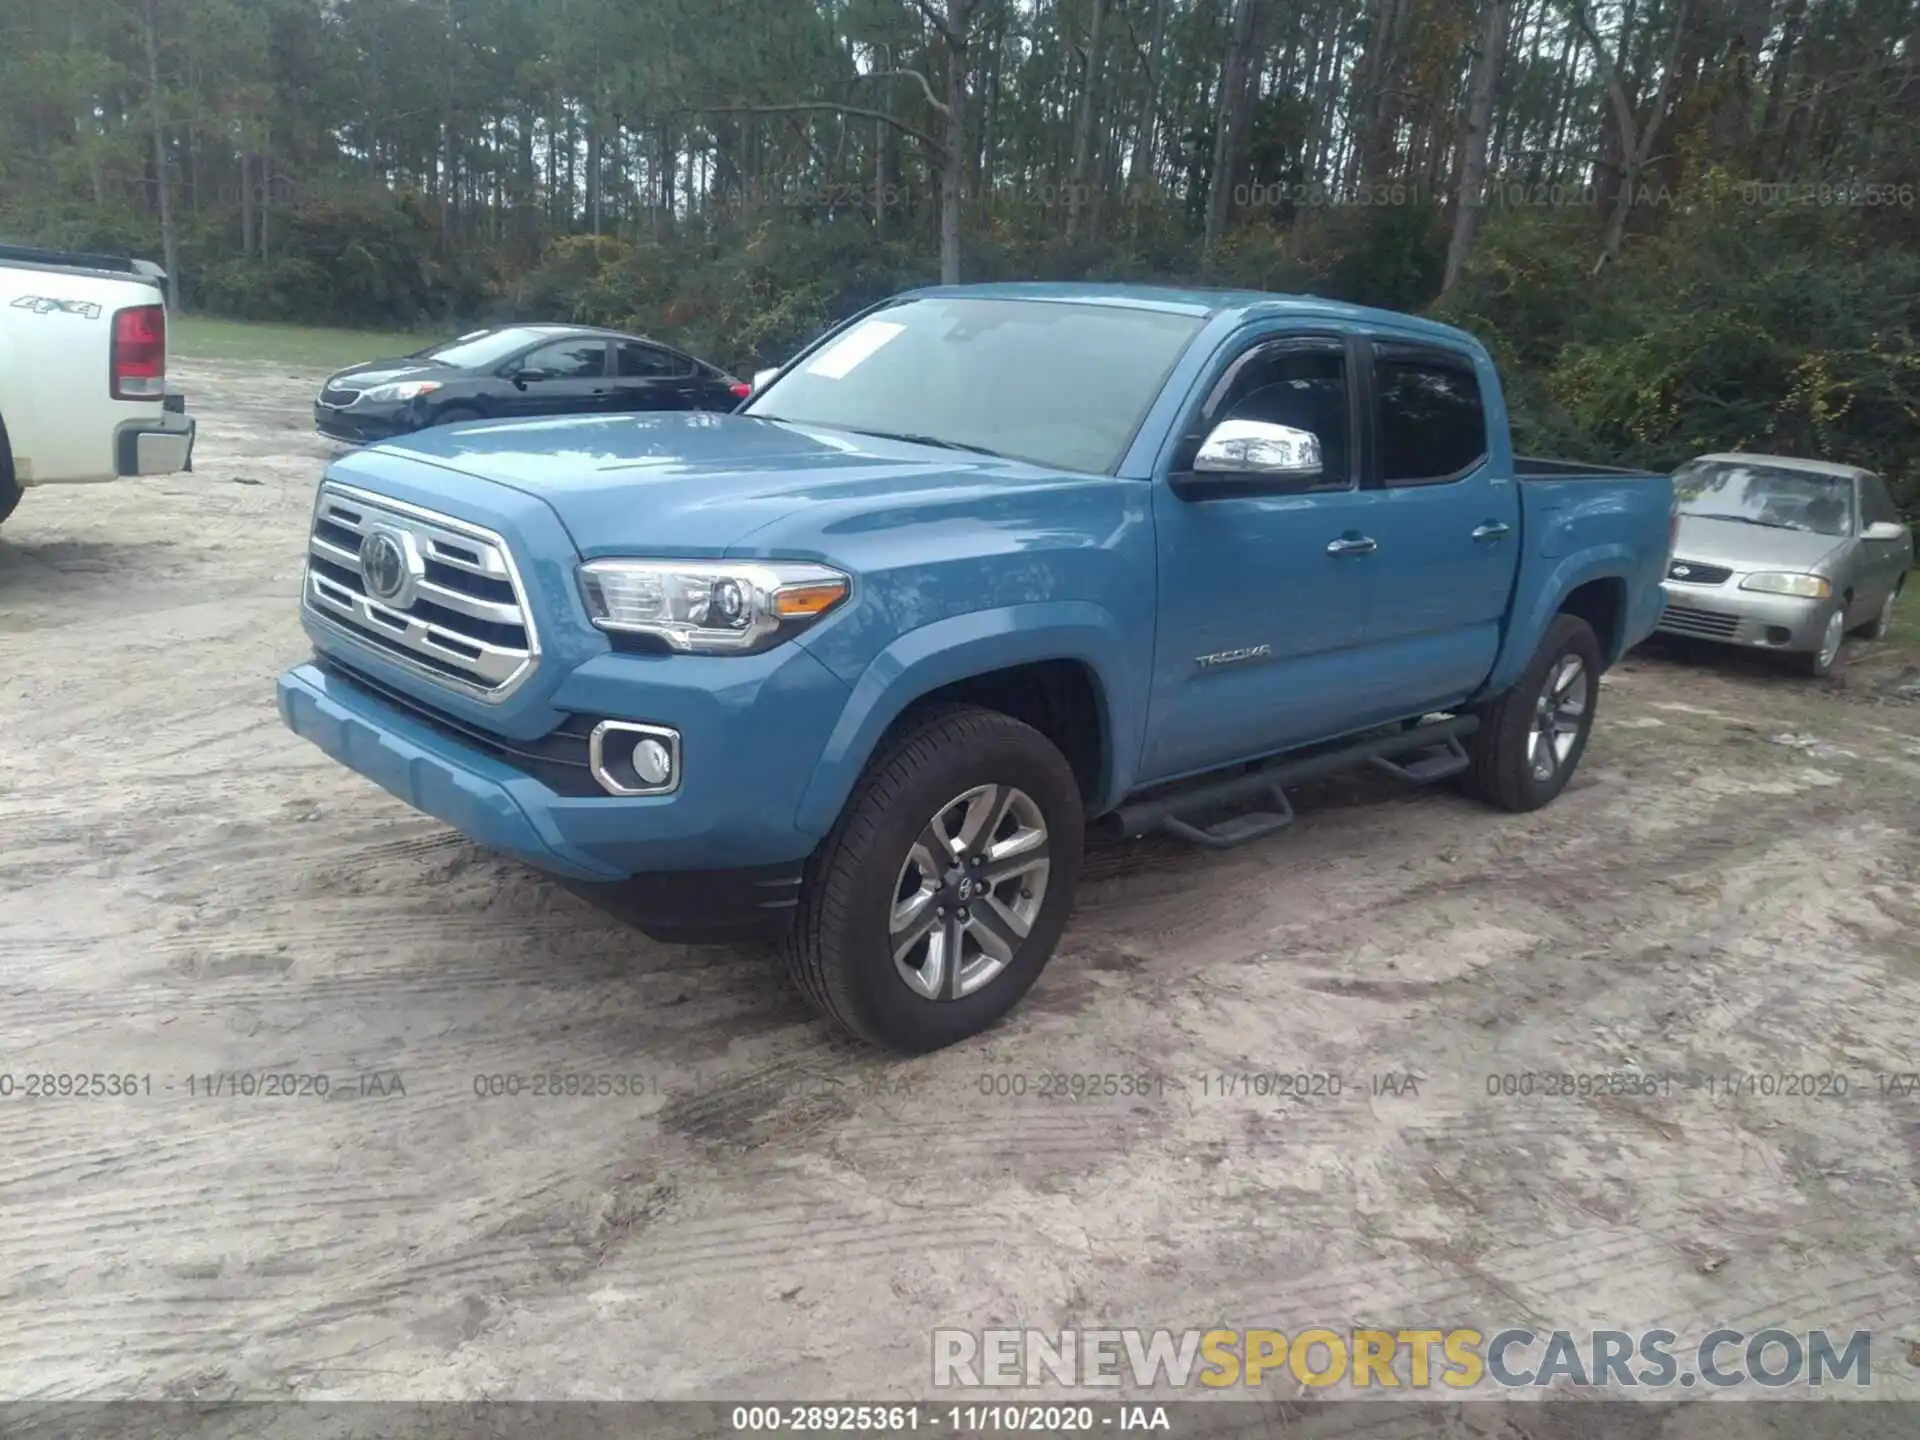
x=389, y=565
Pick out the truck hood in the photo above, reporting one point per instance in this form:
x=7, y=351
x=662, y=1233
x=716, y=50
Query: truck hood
x=1740, y=546
x=695, y=483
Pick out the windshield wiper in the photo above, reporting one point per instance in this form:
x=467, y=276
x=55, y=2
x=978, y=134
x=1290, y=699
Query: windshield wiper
x=935, y=440
x=1745, y=520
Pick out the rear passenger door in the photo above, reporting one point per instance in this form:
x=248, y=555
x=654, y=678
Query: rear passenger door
x=649, y=377
x=1448, y=523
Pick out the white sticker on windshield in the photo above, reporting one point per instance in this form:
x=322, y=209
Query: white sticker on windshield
x=834, y=362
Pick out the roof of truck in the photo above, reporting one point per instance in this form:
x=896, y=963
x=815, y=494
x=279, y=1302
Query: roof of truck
x=1196, y=300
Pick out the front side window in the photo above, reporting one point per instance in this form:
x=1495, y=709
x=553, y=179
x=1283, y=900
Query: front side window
x=1059, y=384
x=1430, y=425
x=1302, y=385
x=1772, y=496
x=1876, y=503
x=568, y=360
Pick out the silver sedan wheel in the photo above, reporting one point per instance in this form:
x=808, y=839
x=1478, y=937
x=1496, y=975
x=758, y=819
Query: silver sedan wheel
x=1830, y=639
x=969, y=892
x=1557, y=715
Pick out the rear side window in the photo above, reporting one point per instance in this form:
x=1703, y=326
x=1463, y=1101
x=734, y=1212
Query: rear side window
x=648, y=362
x=1430, y=426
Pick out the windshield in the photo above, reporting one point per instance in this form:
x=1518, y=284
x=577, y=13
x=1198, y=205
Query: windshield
x=1767, y=495
x=1060, y=385
x=481, y=349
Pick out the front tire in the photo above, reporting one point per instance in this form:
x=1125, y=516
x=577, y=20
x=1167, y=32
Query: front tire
x=454, y=414
x=940, y=894
x=1817, y=664
x=1531, y=738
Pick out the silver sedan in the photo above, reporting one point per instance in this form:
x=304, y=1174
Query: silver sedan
x=1785, y=555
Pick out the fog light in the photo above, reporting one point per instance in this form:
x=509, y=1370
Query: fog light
x=633, y=759
x=652, y=762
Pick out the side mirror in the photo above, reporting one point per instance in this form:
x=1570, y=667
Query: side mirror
x=1884, y=530
x=1258, y=449
x=763, y=378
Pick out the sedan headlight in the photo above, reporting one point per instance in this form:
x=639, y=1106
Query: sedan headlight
x=1807, y=587
x=401, y=390
x=711, y=607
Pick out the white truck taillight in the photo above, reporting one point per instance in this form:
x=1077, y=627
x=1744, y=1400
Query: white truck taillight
x=138, y=369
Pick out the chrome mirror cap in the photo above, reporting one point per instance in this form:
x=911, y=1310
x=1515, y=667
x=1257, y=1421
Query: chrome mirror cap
x=1256, y=447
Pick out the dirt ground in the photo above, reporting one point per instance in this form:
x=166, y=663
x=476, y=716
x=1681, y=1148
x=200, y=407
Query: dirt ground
x=1731, y=888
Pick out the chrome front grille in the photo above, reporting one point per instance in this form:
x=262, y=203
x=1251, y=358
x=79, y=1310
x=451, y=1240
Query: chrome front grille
x=457, y=614
x=338, y=396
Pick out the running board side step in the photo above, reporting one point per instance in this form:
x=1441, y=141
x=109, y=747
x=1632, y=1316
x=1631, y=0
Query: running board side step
x=1420, y=756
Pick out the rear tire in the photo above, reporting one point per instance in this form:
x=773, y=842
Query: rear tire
x=1002, y=801
x=1548, y=712
x=10, y=491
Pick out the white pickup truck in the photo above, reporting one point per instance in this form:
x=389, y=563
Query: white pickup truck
x=83, y=373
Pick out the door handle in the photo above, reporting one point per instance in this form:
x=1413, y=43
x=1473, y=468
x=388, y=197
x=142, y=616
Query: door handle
x=1492, y=530
x=1352, y=545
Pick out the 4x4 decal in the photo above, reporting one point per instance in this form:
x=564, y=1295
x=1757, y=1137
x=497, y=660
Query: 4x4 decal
x=48, y=305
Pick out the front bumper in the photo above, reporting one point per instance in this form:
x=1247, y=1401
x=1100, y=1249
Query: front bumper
x=156, y=447
x=361, y=427
x=661, y=849
x=1732, y=616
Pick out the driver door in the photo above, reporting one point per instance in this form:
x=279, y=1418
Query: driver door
x=568, y=377
x=1264, y=583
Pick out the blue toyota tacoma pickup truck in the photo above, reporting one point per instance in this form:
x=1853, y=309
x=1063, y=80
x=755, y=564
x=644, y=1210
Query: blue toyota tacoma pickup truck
x=857, y=665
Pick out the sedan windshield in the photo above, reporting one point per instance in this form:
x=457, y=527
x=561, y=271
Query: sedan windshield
x=1768, y=495
x=480, y=350
x=1060, y=385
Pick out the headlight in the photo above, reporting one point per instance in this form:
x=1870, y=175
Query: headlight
x=1807, y=587
x=711, y=607
x=401, y=390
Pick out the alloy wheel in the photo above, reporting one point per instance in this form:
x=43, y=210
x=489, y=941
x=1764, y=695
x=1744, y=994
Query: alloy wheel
x=1830, y=639
x=969, y=891
x=1557, y=716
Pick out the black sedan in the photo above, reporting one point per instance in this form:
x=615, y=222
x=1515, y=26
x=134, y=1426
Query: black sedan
x=517, y=370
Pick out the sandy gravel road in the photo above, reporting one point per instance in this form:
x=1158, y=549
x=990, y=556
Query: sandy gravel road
x=1730, y=889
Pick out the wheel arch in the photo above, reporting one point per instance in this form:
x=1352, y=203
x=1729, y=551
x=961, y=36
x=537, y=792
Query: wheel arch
x=1053, y=666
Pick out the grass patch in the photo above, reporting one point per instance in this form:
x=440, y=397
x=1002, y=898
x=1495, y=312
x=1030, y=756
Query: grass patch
x=196, y=337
